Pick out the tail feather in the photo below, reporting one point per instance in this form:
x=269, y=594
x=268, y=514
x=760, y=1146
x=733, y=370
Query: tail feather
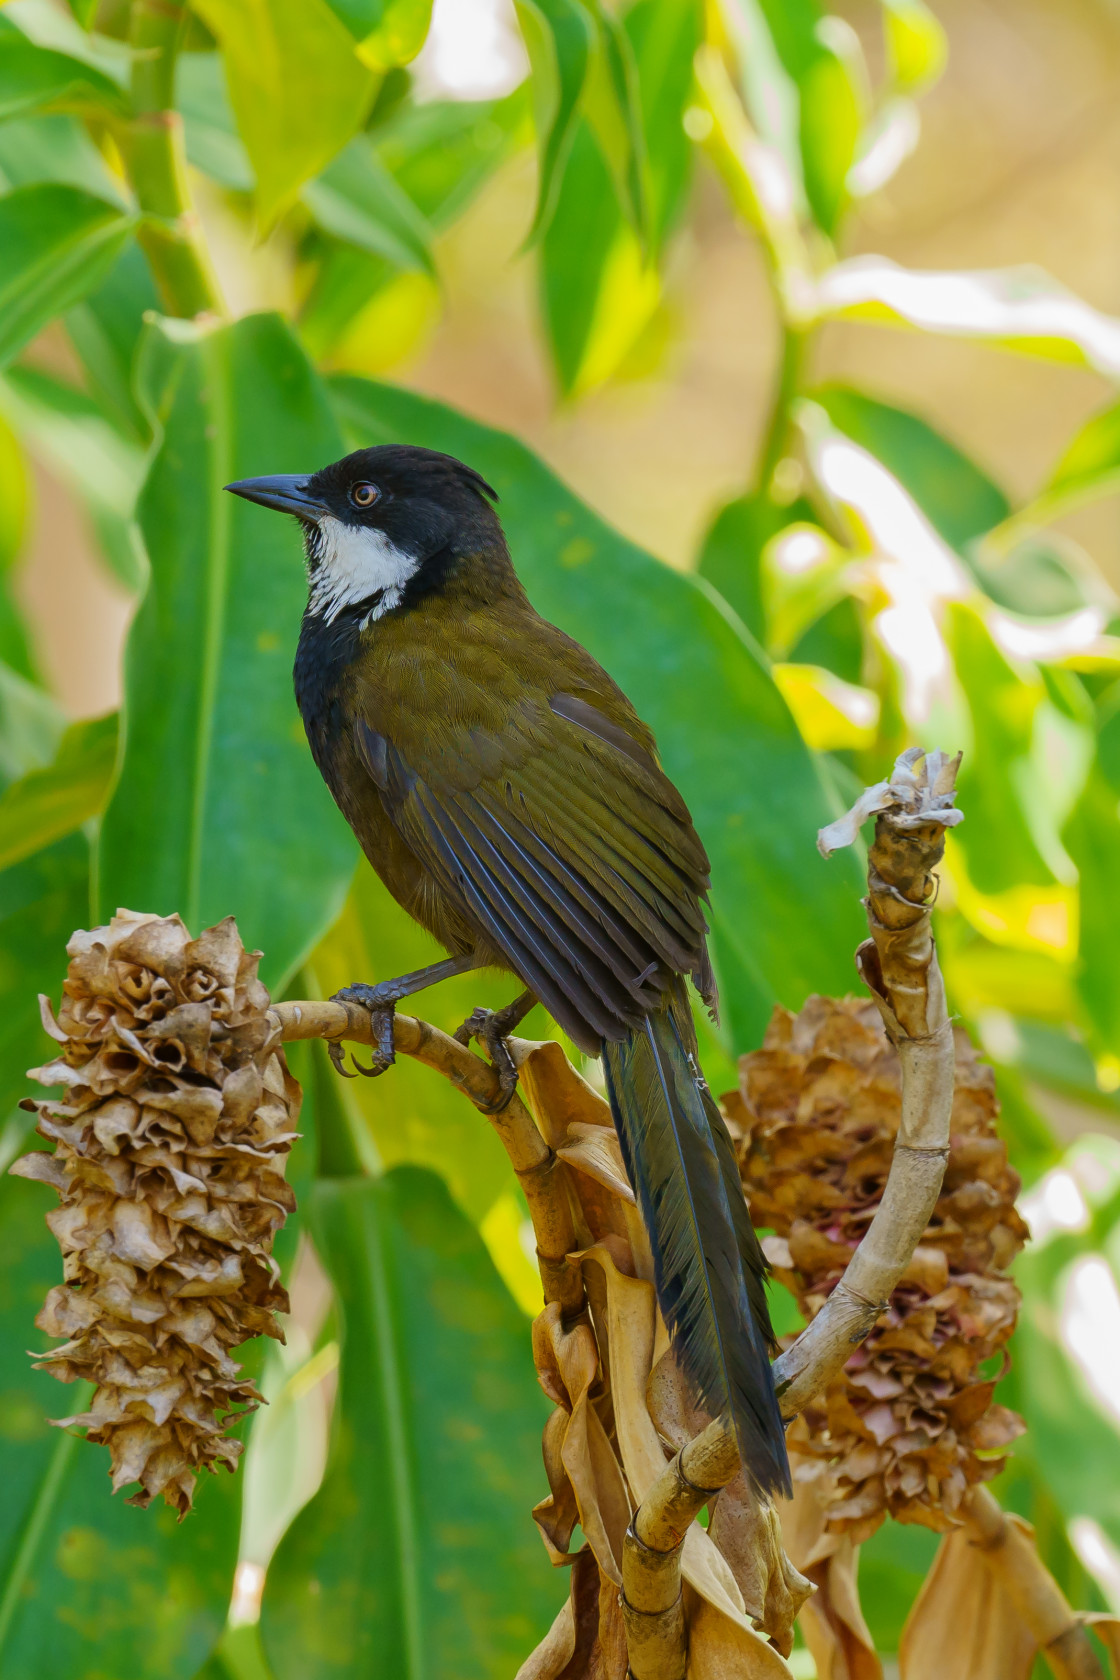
x=709, y=1268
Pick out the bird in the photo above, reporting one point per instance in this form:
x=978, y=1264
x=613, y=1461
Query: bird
x=512, y=801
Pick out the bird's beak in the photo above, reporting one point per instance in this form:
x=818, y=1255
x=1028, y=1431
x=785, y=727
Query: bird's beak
x=287, y=492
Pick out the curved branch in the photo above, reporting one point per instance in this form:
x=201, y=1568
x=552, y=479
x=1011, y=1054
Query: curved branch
x=540, y=1172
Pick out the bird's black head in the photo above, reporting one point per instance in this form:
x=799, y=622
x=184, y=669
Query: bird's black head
x=385, y=526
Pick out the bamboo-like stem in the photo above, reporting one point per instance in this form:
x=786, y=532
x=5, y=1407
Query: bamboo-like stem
x=775, y=441
x=1010, y=1553
x=155, y=159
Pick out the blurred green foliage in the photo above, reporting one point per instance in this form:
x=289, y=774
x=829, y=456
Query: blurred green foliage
x=871, y=588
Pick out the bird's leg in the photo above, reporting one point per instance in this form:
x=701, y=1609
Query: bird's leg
x=492, y=1027
x=381, y=1001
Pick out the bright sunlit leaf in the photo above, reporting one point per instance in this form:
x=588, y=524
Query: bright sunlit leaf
x=916, y=44
x=1090, y=466
x=1020, y=309
x=298, y=89
x=832, y=715
x=387, y=32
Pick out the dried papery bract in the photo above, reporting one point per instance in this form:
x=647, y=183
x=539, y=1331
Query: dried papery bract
x=171, y=1140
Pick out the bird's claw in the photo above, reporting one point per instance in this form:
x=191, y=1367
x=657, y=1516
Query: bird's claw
x=489, y=1027
x=381, y=1011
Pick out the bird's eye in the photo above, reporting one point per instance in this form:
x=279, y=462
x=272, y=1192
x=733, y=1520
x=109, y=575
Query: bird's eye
x=364, y=495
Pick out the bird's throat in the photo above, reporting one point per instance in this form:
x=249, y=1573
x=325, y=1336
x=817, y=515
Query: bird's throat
x=349, y=565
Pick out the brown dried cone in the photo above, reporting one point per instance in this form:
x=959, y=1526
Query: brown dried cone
x=170, y=1141
x=909, y=1424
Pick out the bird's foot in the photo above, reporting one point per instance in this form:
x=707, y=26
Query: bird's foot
x=381, y=1003
x=492, y=1027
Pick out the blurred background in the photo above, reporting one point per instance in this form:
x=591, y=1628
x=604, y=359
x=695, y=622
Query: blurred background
x=861, y=378
x=1020, y=141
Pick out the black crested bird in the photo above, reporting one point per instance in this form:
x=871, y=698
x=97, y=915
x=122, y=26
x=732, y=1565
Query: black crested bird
x=510, y=798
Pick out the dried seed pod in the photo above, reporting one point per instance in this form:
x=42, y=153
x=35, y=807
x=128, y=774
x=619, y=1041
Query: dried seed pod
x=909, y=1424
x=171, y=1141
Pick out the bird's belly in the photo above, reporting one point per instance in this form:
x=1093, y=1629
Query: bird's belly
x=443, y=913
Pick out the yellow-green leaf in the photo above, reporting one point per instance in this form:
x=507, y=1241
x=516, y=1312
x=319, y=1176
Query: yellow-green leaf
x=45, y=804
x=298, y=89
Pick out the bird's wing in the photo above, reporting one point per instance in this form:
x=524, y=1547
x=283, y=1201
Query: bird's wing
x=566, y=843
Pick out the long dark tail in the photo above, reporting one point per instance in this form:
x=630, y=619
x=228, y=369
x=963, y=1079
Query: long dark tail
x=708, y=1265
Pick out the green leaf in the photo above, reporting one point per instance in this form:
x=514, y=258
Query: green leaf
x=800, y=75
x=832, y=113
x=359, y=201
x=56, y=245
x=597, y=292
x=298, y=90
x=69, y=431
x=611, y=106
x=31, y=726
x=664, y=36
x=34, y=150
x=46, y=804
x=731, y=553
x=916, y=44
x=42, y=901
x=32, y=79
x=599, y=289
x=219, y=807
x=559, y=37
x=209, y=127
x=346, y=282
x=892, y=1567
x=1089, y=467
x=417, y=1557
x=1092, y=837
x=769, y=90
x=1071, y=1429
x=956, y=496
x=105, y=330
x=49, y=27
x=998, y=837
x=443, y=152
x=15, y=489
x=388, y=32
x=438, y=155
x=785, y=922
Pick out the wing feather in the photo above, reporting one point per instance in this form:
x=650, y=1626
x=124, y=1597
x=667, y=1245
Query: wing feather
x=576, y=859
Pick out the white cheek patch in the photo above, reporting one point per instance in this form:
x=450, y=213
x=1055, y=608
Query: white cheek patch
x=352, y=562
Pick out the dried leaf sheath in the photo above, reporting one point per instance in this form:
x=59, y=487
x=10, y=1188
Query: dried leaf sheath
x=171, y=1141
